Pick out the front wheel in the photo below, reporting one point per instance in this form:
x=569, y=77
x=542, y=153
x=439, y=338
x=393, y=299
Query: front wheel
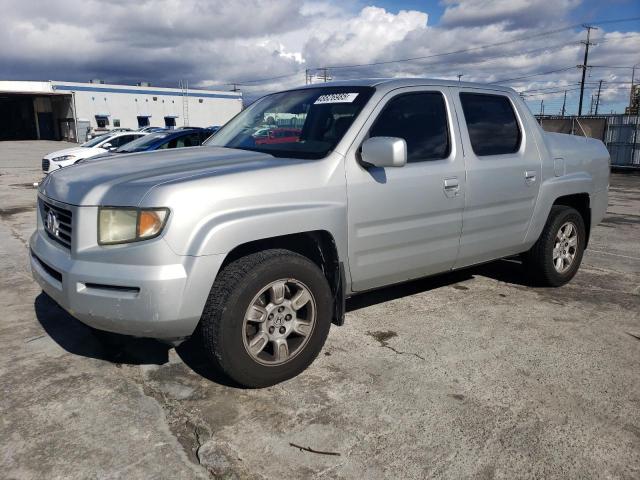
x=554, y=259
x=267, y=317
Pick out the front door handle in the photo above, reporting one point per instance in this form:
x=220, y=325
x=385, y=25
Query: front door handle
x=451, y=187
x=530, y=176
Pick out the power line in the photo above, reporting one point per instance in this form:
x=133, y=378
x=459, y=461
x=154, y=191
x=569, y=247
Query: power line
x=561, y=90
x=454, y=52
x=259, y=80
x=542, y=94
x=608, y=66
x=556, y=87
x=473, y=49
x=533, y=75
x=618, y=20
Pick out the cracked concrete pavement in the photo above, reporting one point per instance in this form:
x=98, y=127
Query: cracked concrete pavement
x=473, y=374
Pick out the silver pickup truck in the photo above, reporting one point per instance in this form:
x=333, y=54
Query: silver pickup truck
x=307, y=197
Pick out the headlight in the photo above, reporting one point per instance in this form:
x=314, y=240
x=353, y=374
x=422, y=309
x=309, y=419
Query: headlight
x=130, y=224
x=63, y=158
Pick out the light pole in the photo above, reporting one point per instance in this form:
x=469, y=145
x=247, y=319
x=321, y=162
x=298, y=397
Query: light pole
x=633, y=76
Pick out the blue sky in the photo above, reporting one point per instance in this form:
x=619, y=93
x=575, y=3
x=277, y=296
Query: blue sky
x=585, y=11
x=433, y=8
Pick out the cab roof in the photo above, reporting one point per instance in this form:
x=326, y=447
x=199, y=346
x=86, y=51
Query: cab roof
x=391, y=83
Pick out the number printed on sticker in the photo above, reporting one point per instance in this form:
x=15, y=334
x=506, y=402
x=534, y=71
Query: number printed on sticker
x=336, y=98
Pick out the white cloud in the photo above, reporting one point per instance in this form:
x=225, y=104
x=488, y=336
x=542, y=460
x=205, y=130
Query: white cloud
x=361, y=38
x=216, y=42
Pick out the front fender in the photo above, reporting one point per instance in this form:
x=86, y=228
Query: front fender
x=221, y=232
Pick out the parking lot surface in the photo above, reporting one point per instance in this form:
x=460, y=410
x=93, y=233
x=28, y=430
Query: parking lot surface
x=474, y=374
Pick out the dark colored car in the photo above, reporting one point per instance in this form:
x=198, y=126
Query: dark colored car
x=165, y=139
x=279, y=135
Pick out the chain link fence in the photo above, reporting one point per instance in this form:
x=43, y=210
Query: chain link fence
x=619, y=133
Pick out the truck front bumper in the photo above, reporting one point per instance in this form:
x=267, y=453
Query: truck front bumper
x=157, y=301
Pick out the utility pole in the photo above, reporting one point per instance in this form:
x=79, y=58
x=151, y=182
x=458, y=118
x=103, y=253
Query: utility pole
x=324, y=75
x=564, y=103
x=541, y=107
x=306, y=76
x=598, y=97
x=633, y=76
x=585, y=64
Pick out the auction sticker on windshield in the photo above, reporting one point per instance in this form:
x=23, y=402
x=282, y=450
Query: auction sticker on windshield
x=336, y=98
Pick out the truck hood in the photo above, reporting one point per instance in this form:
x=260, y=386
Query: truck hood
x=123, y=180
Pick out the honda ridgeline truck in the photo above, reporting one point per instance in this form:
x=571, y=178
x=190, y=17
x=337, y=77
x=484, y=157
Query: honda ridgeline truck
x=254, y=246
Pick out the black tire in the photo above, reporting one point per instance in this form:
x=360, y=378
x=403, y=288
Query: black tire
x=539, y=261
x=221, y=325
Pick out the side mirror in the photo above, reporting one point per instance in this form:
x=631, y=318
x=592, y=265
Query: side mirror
x=107, y=146
x=385, y=152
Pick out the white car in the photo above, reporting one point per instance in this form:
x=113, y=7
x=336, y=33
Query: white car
x=95, y=146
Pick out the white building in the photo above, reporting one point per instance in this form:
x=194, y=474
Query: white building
x=66, y=110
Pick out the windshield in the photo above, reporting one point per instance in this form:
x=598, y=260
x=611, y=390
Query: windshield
x=95, y=141
x=142, y=143
x=305, y=123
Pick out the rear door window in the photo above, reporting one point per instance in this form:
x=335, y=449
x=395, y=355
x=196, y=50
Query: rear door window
x=491, y=122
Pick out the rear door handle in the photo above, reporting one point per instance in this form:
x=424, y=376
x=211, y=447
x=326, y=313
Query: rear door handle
x=451, y=187
x=530, y=176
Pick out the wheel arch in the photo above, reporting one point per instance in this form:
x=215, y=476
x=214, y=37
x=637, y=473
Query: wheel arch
x=319, y=246
x=572, y=190
x=581, y=203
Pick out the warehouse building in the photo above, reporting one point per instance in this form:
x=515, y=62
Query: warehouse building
x=67, y=111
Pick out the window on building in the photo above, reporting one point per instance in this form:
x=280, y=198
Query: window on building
x=143, y=122
x=421, y=119
x=102, y=121
x=116, y=122
x=492, y=124
x=169, y=122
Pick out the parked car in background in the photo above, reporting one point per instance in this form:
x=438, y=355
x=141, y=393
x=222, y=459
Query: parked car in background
x=279, y=135
x=103, y=131
x=152, y=129
x=95, y=146
x=161, y=141
x=253, y=248
x=262, y=132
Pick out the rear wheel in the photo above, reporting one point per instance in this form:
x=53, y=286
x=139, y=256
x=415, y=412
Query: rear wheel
x=267, y=317
x=555, y=258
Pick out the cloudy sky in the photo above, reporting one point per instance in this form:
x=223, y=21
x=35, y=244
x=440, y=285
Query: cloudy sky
x=265, y=45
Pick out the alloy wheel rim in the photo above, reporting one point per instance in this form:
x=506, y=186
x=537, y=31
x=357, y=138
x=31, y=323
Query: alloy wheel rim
x=279, y=321
x=565, y=247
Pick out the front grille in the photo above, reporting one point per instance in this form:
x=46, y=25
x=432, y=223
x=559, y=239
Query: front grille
x=57, y=223
x=45, y=165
